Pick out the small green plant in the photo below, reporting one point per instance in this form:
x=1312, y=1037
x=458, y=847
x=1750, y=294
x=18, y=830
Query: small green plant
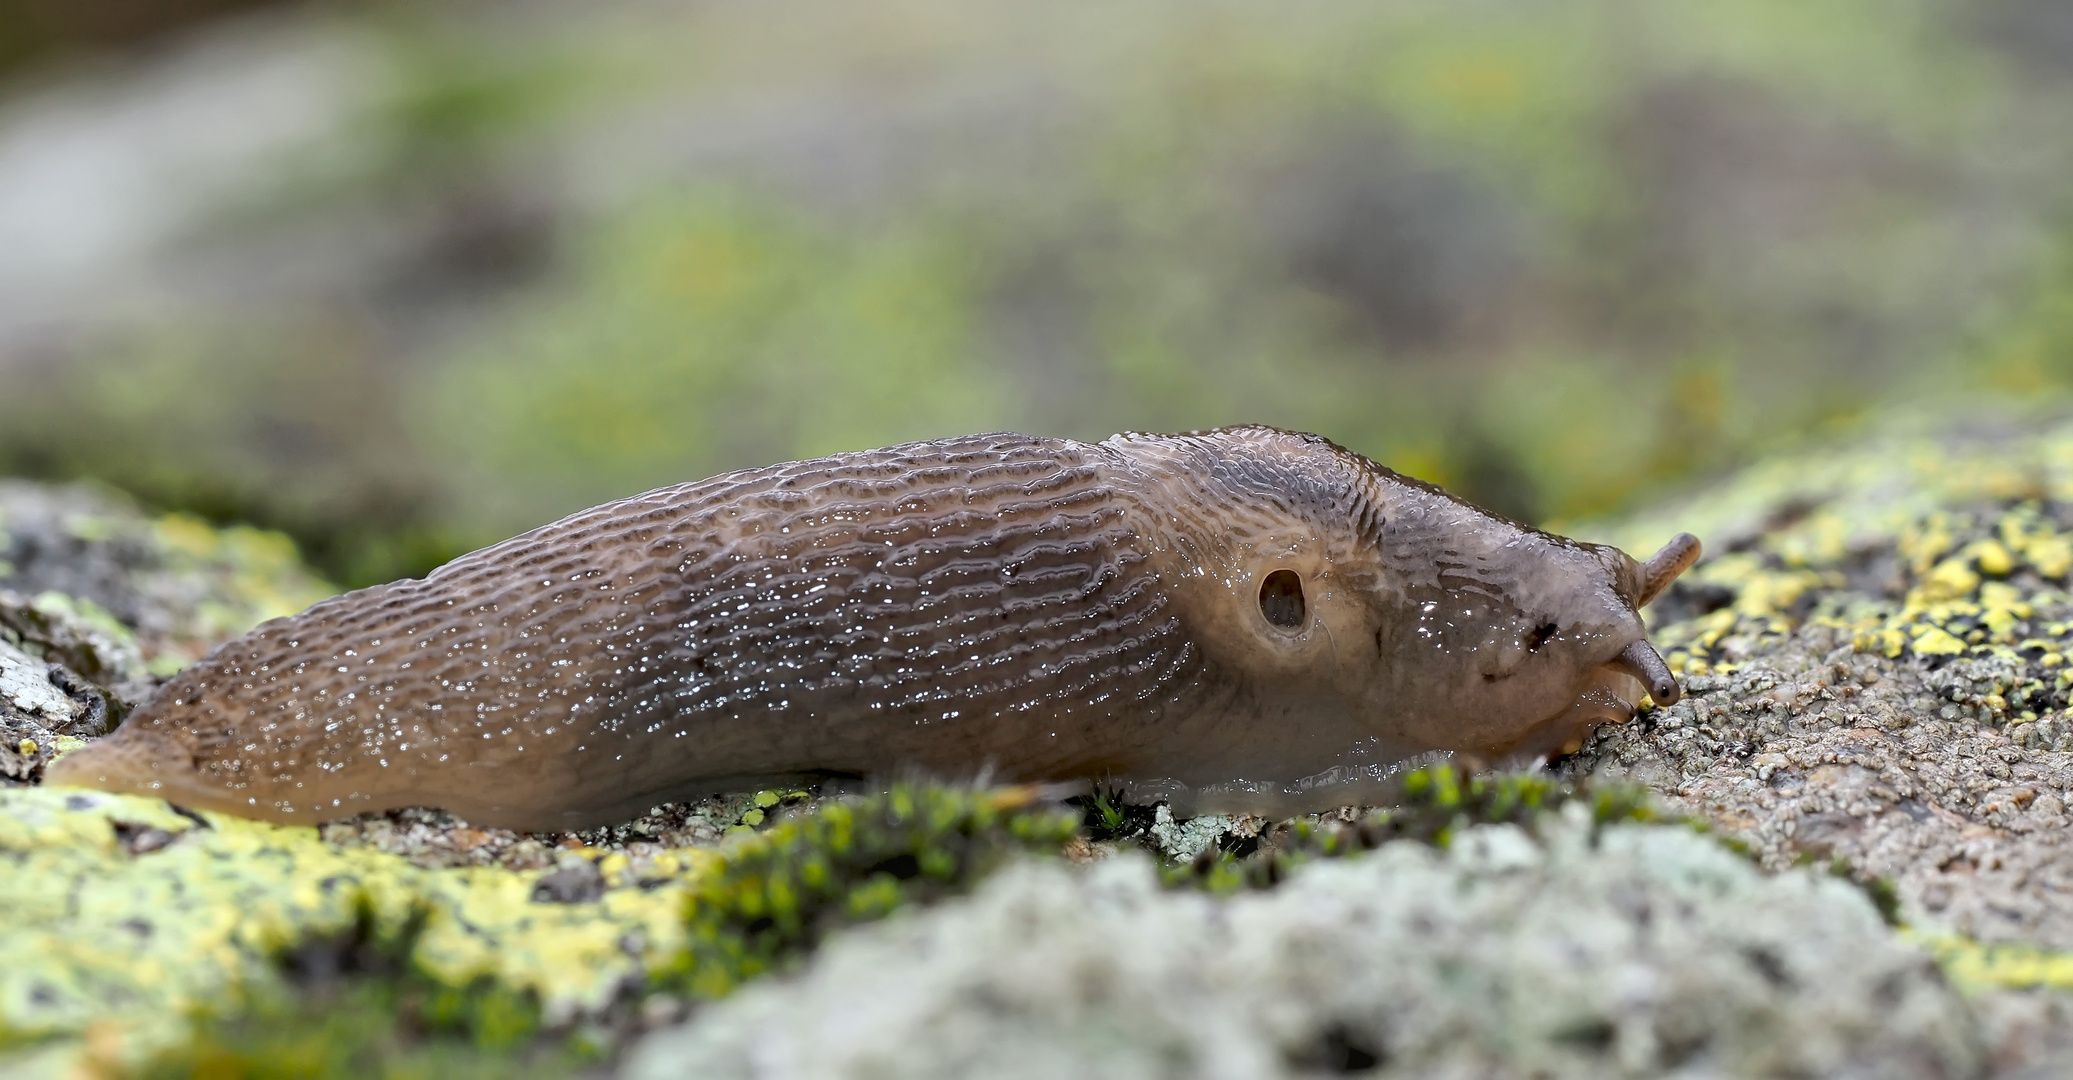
x=390, y=1028
x=1106, y=816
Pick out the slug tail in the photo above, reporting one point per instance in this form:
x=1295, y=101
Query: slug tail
x=134, y=761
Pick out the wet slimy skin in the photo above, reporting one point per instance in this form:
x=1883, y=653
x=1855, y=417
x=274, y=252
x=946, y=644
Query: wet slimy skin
x=1242, y=618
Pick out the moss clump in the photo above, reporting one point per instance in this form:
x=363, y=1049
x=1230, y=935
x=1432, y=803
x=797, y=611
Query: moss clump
x=1878, y=890
x=1438, y=802
x=779, y=892
x=1105, y=816
x=1441, y=799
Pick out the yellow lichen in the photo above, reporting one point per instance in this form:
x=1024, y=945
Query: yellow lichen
x=1976, y=966
x=125, y=946
x=1926, y=543
x=187, y=534
x=2053, y=558
x=1823, y=539
x=1936, y=641
x=2027, y=534
x=1951, y=579
x=1993, y=559
x=256, y=576
x=2003, y=608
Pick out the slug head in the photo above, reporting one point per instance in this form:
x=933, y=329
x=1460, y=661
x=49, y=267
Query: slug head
x=1433, y=624
x=1513, y=644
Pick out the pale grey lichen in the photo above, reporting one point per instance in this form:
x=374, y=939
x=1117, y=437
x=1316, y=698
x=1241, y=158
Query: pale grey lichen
x=66, y=670
x=25, y=685
x=1182, y=840
x=1622, y=951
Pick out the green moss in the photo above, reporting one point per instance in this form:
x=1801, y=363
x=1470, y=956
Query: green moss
x=1882, y=893
x=134, y=930
x=776, y=894
x=1438, y=801
x=1106, y=816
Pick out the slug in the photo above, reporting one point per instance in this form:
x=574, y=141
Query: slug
x=1239, y=618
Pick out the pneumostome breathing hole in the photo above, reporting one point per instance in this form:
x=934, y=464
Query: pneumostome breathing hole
x=1281, y=599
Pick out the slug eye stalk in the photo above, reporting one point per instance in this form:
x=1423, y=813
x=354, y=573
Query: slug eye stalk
x=1664, y=566
x=1642, y=661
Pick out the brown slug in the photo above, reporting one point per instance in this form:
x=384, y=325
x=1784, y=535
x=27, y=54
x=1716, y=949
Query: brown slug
x=1240, y=618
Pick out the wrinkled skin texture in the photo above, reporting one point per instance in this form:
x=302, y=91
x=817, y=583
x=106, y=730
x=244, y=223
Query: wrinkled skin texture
x=1038, y=609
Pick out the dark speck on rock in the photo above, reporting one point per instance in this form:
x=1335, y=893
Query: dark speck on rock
x=574, y=883
x=1340, y=1049
x=141, y=839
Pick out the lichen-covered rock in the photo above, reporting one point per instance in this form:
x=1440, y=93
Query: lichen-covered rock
x=129, y=920
x=432, y=838
x=124, y=918
x=49, y=704
x=98, y=600
x=1876, y=654
x=175, y=584
x=1622, y=951
x=1876, y=663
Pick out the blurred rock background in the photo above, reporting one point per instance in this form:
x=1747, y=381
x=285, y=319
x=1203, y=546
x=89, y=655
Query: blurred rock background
x=402, y=279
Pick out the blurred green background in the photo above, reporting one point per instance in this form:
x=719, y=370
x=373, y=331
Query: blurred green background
x=405, y=279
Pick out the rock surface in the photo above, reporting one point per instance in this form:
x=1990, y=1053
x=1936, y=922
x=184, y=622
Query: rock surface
x=97, y=601
x=125, y=917
x=1876, y=656
x=1631, y=951
x=1877, y=672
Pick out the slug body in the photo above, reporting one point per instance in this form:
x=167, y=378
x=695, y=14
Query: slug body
x=1237, y=616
